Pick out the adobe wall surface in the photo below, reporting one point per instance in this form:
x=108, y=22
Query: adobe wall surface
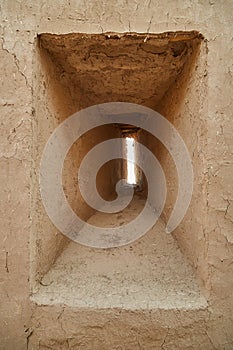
x=25, y=325
x=54, y=102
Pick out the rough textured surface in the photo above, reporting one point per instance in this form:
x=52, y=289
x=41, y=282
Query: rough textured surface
x=26, y=325
x=129, y=67
x=77, y=70
x=59, y=327
x=149, y=274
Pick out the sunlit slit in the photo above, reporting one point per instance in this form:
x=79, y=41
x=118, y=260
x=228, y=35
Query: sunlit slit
x=131, y=161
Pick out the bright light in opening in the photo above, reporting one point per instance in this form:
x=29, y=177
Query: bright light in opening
x=130, y=152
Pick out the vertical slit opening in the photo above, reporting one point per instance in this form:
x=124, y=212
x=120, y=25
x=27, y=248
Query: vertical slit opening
x=131, y=161
x=131, y=172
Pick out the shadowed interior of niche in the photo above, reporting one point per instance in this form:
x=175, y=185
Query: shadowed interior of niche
x=76, y=71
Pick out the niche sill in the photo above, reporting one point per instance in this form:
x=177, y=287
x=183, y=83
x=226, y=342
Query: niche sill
x=151, y=273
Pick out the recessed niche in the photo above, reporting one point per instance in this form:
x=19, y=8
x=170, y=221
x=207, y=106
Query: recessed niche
x=75, y=71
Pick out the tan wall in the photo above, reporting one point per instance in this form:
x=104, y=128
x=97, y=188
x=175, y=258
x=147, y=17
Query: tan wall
x=56, y=99
x=20, y=24
x=184, y=106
